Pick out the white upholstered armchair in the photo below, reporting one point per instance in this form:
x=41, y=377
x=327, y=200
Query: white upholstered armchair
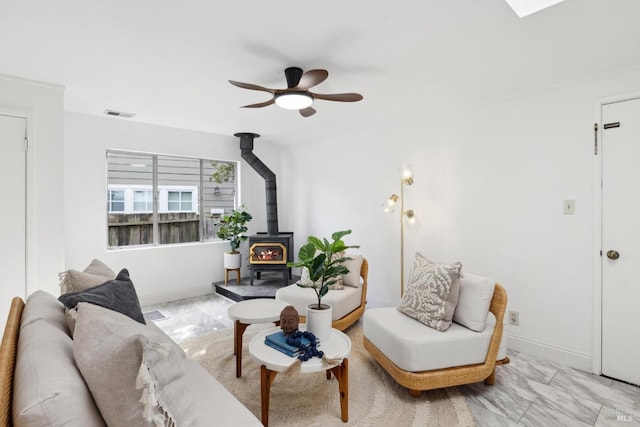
x=348, y=304
x=420, y=358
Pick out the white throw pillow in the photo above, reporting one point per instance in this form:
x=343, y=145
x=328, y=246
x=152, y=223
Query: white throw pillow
x=354, y=265
x=474, y=300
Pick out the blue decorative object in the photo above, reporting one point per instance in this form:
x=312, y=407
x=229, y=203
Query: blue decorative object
x=308, y=350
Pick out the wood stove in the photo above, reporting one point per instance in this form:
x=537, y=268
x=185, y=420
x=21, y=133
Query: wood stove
x=270, y=252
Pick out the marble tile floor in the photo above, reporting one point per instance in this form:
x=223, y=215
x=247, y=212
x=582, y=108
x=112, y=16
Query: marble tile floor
x=528, y=392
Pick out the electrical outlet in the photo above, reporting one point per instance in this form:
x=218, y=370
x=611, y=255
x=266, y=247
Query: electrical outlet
x=514, y=318
x=569, y=207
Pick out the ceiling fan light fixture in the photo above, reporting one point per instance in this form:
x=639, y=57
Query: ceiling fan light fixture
x=293, y=100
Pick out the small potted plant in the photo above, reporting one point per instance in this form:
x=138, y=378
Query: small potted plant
x=232, y=228
x=324, y=261
x=223, y=172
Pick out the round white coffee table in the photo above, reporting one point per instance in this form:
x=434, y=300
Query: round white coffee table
x=248, y=312
x=272, y=361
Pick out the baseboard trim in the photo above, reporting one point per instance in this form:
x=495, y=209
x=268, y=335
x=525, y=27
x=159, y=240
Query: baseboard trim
x=556, y=354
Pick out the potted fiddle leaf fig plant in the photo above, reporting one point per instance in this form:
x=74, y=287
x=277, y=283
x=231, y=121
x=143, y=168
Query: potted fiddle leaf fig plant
x=231, y=228
x=323, y=259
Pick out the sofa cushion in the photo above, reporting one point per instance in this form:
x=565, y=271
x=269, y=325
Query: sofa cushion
x=48, y=387
x=474, y=300
x=342, y=302
x=43, y=306
x=419, y=348
x=354, y=265
x=136, y=376
x=118, y=294
x=211, y=401
x=95, y=273
x=432, y=292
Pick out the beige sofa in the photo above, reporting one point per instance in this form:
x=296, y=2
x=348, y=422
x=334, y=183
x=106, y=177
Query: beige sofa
x=42, y=385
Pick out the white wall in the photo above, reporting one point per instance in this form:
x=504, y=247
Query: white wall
x=42, y=104
x=489, y=186
x=159, y=273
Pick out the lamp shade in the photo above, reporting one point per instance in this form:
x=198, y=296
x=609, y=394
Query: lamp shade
x=293, y=100
x=389, y=206
x=412, y=221
x=407, y=174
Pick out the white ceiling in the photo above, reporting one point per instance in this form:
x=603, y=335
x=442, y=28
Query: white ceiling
x=169, y=61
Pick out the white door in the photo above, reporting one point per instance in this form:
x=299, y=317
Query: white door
x=12, y=212
x=621, y=240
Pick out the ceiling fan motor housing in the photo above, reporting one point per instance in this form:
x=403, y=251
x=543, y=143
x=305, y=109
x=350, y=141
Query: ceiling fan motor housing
x=293, y=75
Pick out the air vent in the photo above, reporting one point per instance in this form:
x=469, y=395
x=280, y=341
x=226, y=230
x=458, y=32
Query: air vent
x=119, y=114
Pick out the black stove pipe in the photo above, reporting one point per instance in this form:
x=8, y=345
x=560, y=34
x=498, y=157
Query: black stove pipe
x=246, y=149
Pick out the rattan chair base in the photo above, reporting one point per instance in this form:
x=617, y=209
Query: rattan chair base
x=417, y=382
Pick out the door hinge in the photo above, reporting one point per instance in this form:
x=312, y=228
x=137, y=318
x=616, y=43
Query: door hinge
x=26, y=144
x=595, y=139
x=611, y=125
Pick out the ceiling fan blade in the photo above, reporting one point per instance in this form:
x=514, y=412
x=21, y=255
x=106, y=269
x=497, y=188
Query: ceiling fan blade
x=312, y=78
x=306, y=112
x=260, y=104
x=252, y=87
x=342, y=97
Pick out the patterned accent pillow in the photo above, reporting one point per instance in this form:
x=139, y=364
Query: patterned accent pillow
x=337, y=286
x=432, y=292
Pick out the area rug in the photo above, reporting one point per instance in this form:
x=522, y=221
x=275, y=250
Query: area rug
x=375, y=399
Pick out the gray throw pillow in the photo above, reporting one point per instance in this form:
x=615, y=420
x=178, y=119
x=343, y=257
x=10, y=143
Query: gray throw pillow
x=136, y=375
x=432, y=292
x=117, y=295
x=96, y=273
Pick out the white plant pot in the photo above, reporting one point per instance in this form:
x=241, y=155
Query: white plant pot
x=319, y=321
x=232, y=261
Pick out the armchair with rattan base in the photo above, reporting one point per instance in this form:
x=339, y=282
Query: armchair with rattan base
x=348, y=304
x=446, y=376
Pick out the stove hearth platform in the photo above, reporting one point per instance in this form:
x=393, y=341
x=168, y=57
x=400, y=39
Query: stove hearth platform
x=265, y=287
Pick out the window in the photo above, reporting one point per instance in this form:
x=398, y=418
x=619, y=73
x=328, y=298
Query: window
x=190, y=196
x=142, y=201
x=116, y=201
x=180, y=201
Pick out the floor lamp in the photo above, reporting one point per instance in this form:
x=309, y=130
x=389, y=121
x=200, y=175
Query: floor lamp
x=408, y=215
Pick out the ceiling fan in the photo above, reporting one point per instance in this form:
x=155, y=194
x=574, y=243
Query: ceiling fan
x=297, y=95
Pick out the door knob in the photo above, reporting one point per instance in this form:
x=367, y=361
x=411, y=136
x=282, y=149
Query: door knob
x=613, y=254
